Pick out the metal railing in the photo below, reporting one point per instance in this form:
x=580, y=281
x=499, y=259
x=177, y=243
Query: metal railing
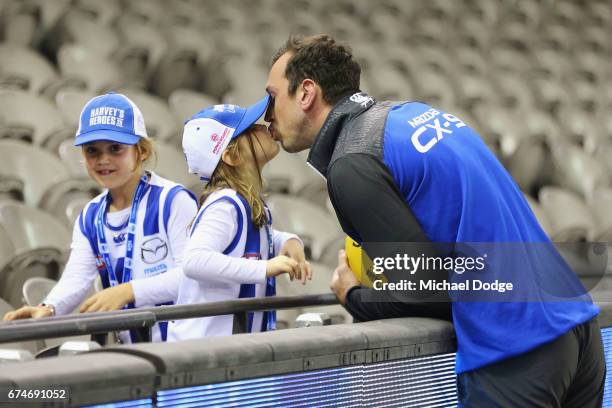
x=144, y=318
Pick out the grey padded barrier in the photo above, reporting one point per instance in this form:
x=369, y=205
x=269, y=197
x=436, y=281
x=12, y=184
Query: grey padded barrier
x=93, y=378
x=220, y=359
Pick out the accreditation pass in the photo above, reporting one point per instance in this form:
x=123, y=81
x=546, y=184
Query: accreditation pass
x=33, y=393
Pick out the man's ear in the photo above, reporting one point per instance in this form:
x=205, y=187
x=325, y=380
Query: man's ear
x=227, y=158
x=308, y=95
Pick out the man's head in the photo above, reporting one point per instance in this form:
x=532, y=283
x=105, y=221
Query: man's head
x=308, y=77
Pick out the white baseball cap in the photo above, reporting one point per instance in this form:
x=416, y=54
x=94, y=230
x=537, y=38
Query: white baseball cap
x=208, y=132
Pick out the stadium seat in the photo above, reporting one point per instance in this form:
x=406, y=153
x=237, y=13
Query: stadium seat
x=104, y=14
x=601, y=205
x=149, y=12
x=315, y=226
x=539, y=214
x=248, y=78
x=45, y=178
x=41, y=244
x=500, y=129
x=80, y=27
x=29, y=346
x=578, y=171
x=330, y=254
x=70, y=103
x=160, y=122
x=180, y=65
x=23, y=68
x=185, y=103
x=171, y=164
x=471, y=61
x=18, y=23
x=581, y=127
x=509, y=60
x=7, y=250
x=514, y=92
x=289, y=174
x=11, y=188
x=30, y=118
x=98, y=73
x=72, y=158
x=473, y=90
x=570, y=218
x=526, y=163
x=434, y=89
x=35, y=290
x=321, y=278
x=66, y=200
x=142, y=48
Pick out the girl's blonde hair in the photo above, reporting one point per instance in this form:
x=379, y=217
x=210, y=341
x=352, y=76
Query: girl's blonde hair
x=146, y=147
x=250, y=187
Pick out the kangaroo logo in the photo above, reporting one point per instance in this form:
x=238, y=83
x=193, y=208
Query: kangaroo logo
x=154, y=250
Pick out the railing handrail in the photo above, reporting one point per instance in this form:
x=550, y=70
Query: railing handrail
x=103, y=322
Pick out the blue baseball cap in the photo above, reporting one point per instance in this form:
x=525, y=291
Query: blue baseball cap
x=208, y=132
x=112, y=117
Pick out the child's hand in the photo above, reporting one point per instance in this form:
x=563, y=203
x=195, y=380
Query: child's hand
x=27, y=312
x=113, y=298
x=282, y=264
x=293, y=249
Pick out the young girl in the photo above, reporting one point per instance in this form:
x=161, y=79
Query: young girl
x=132, y=235
x=232, y=251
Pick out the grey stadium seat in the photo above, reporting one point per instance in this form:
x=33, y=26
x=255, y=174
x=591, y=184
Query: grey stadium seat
x=72, y=158
x=97, y=73
x=25, y=69
x=36, y=289
x=289, y=173
x=45, y=179
x=578, y=171
x=185, y=103
x=539, y=214
x=30, y=118
x=143, y=47
x=171, y=164
x=41, y=244
x=160, y=122
x=601, y=204
x=321, y=278
x=315, y=226
x=570, y=218
x=24, y=345
x=70, y=103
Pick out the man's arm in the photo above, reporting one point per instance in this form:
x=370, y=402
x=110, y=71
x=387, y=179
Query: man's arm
x=368, y=204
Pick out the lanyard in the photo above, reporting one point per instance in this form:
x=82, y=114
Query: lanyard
x=269, y=317
x=129, y=245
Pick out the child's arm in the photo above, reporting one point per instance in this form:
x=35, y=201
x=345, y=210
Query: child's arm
x=292, y=246
x=78, y=275
x=204, y=258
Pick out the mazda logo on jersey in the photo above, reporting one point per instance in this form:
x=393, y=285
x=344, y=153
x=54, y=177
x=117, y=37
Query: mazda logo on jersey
x=154, y=250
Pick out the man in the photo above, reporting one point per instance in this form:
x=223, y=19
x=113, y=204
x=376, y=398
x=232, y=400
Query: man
x=407, y=172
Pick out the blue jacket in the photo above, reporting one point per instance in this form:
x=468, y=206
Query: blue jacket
x=457, y=192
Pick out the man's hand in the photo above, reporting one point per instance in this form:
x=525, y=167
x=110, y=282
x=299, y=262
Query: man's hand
x=294, y=250
x=343, y=278
x=113, y=298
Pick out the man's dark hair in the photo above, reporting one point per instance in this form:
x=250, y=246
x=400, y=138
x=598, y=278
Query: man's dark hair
x=322, y=59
